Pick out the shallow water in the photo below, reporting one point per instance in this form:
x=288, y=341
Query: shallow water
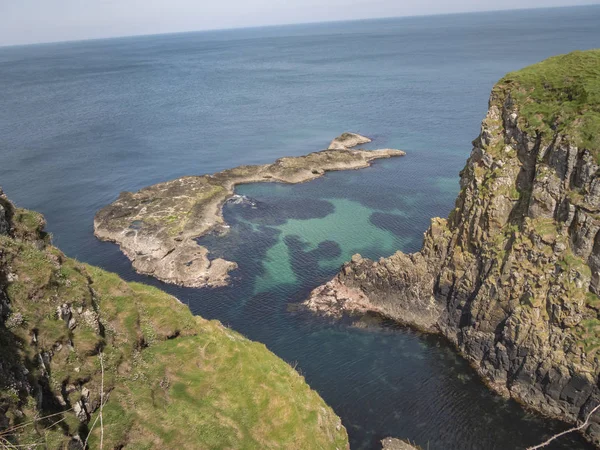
x=82, y=121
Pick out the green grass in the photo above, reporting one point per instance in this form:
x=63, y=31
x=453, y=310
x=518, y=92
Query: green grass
x=222, y=389
x=546, y=229
x=560, y=94
x=593, y=301
x=589, y=334
x=571, y=262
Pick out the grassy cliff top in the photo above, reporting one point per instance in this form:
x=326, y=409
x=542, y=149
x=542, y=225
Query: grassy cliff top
x=74, y=337
x=560, y=94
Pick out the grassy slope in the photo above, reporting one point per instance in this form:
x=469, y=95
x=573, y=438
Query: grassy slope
x=561, y=93
x=174, y=380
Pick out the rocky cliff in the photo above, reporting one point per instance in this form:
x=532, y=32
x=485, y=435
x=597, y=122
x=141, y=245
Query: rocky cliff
x=89, y=361
x=512, y=277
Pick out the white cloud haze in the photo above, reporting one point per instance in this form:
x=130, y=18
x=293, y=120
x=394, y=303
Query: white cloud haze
x=28, y=21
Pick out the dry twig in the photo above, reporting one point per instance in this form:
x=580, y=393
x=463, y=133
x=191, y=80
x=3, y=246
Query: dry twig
x=570, y=430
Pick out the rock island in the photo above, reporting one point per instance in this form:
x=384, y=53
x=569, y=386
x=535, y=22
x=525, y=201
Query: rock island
x=157, y=227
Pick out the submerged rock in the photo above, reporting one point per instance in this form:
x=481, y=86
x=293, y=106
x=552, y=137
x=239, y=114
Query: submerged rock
x=512, y=277
x=157, y=227
x=242, y=200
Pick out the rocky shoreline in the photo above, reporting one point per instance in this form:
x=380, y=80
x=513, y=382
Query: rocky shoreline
x=157, y=227
x=512, y=277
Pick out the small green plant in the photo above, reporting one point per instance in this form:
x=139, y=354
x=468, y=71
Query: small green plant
x=559, y=95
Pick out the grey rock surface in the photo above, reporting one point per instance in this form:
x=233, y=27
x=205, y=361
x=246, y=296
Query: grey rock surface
x=396, y=444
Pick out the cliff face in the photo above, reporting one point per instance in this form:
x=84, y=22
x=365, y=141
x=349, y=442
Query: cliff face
x=76, y=340
x=512, y=277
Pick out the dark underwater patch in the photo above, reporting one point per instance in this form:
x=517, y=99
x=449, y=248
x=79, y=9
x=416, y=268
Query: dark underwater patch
x=305, y=264
x=399, y=225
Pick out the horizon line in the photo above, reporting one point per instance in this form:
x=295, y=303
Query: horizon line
x=282, y=25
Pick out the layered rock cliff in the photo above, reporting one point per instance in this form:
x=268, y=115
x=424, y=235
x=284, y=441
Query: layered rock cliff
x=512, y=277
x=90, y=361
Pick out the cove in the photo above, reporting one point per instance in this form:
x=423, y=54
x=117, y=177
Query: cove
x=381, y=378
x=83, y=121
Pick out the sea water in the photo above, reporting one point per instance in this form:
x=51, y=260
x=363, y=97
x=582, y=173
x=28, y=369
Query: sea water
x=82, y=121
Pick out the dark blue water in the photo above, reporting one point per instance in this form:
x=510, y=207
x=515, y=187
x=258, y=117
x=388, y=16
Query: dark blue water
x=81, y=122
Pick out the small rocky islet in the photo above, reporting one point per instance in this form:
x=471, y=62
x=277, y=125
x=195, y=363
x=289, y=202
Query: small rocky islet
x=157, y=227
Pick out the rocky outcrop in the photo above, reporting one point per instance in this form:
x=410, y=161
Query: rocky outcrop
x=348, y=140
x=157, y=227
x=512, y=277
x=396, y=444
x=4, y=225
x=76, y=340
x=5, y=214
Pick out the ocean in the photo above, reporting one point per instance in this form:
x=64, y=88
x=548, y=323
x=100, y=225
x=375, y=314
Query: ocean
x=82, y=121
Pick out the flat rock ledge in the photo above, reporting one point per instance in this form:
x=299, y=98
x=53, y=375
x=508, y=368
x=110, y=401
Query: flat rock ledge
x=157, y=227
x=334, y=299
x=363, y=286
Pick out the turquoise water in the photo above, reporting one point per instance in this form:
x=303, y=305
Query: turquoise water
x=82, y=121
x=349, y=226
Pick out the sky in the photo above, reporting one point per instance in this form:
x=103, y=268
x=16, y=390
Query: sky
x=34, y=21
